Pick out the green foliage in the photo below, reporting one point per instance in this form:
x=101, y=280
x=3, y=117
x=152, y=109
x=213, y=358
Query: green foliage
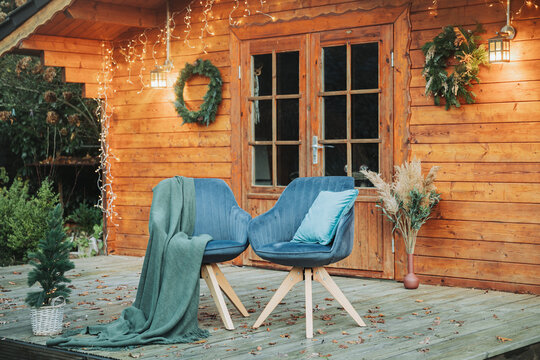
x=207, y=113
x=50, y=261
x=86, y=217
x=469, y=56
x=41, y=117
x=23, y=219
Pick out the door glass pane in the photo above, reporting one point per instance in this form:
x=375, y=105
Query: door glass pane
x=335, y=117
x=365, y=116
x=335, y=68
x=365, y=66
x=287, y=164
x=287, y=68
x=335, y=160
x=262, y=75
x=262, y=120
x=262, y=164
x=287, y=119
x=364, y=156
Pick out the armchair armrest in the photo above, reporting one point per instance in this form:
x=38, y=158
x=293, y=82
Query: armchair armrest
x=344, y=239
x=238, y=224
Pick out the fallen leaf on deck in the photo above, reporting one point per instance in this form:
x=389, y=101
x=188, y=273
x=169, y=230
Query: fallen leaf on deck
x=251, y=310
x=12, y=283
x=343, y=346
x=16, y=273
x=326, y=317
x=414, y=314
x=425, y=341
x=261, y=288
x=272, y=343
x=199, y=342
x=380, y=330
x=259, y=348
x=495, y=316
x=335, y=341
x=329, y=299
x=503, y=339
x=234, y=349
x=321, y=332
x=417, y=334
x=423, y=350
x=419, y=300
x=360, y=339
x=344, y=333
x=135, y=356
x=285, y=336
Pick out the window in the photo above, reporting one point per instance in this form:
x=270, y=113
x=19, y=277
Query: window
x=275, y=126
x=350, y=110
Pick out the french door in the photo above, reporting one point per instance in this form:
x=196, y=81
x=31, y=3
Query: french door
x=320, y=104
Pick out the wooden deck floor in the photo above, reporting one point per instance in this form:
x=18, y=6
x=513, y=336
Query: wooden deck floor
x=432, y=322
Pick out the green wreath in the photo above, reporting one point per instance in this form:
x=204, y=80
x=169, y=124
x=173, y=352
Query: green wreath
x=453, y=42
x=207, y=112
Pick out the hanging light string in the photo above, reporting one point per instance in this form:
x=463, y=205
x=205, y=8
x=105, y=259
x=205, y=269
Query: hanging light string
x=104, y=113
x=529, y=4
x=204, y=26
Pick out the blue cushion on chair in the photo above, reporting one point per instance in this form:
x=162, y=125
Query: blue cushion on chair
x=321, y=221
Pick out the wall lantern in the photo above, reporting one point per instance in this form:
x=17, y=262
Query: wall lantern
x=158, y=76
x=499, y=46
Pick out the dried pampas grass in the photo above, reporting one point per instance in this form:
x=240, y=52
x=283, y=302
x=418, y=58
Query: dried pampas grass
x=408, y=201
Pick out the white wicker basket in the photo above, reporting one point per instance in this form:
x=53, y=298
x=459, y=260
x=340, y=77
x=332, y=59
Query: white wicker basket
x=47, y=320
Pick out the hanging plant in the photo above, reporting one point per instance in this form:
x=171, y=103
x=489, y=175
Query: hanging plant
x=207, y=112
x=462, y=47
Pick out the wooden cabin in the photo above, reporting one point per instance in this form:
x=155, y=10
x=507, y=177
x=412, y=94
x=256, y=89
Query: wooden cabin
x=275, y=59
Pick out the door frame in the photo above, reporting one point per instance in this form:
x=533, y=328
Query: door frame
x=399, y=17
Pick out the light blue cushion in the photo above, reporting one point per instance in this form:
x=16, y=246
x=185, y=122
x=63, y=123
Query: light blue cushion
x=321, y=221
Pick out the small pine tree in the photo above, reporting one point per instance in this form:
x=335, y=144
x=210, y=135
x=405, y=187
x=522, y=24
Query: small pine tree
x=52, y=262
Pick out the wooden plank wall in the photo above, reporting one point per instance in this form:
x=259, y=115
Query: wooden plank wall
x=486, y=231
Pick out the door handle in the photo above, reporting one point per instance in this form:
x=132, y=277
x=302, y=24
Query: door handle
x=315, y=146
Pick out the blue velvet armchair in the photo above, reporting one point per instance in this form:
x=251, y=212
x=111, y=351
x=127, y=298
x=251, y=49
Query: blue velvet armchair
x=218, y=215
x=270, y=236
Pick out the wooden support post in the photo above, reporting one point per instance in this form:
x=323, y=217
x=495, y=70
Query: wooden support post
x=228, y=290
x=294, y=277
x=321, y=275
x=208, y=274
x=309, y=303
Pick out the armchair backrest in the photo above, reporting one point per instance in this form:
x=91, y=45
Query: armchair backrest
x=214, y=202
x=299, y=195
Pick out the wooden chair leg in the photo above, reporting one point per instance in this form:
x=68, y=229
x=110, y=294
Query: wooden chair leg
x=294, y=277
x=321, y=275
x=309, y=304
x=228, y=290
x=209, y=276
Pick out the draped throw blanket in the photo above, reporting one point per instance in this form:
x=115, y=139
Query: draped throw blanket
x=166, y=306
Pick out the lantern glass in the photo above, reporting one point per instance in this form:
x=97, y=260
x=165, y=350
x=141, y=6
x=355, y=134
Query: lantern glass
x=499, y=49
x=158, y=78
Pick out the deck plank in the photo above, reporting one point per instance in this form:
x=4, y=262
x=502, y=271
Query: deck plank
x=457, y=321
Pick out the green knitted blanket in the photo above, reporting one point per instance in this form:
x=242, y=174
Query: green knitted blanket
x=166, y=306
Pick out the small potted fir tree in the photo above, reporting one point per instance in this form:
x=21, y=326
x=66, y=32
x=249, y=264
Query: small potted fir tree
x=50, y=261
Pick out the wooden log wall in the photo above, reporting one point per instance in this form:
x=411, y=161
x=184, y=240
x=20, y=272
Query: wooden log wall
x=486, y=231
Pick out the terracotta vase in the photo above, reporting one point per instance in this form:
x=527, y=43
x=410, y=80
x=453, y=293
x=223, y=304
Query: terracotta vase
x=410, y=280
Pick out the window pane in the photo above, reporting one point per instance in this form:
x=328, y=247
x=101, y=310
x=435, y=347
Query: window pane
x=262, y=119
x=335, y=160
x=365, y=116
x=364, y=156
x=365, y=66
x=335, y=117
x=287, y=164
x=262, y=164
x=287, y=119
x=262, y=75
x=287, y=68
x=335, y=68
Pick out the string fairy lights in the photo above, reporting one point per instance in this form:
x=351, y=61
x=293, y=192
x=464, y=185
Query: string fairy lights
x=104, y=112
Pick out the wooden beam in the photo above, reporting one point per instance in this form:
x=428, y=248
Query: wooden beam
x=26, y=29
x=112, y=13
